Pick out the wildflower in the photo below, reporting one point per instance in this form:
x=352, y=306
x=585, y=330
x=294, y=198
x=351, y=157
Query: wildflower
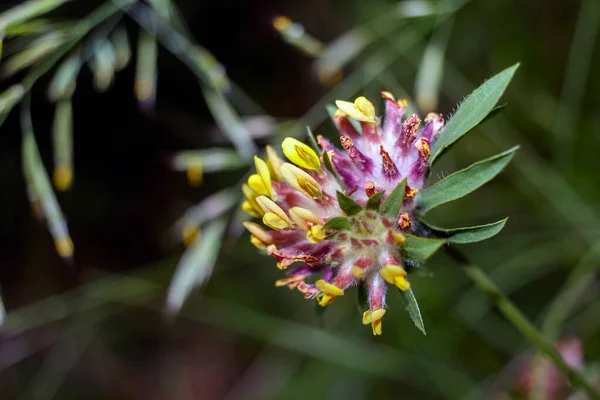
x=340, y=218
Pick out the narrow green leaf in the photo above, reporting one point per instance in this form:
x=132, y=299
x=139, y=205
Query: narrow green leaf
x=145, y=70
x=472, y=111
x=469, y=234
x=495, y=111
x=412, y=307
x=62, y=142
x=212, y=160
x=196, y=265
x=392, y=205
x=464, y=182
x=348, y=206
x=64, y=79
x=312, y=140
x=374, y=202
x=329, y=166
x=338, y=224
x=419, y=248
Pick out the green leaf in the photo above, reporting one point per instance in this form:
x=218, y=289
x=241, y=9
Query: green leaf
x=469, y=234
x=392, y=205
x=472, y=111
x=338, y=224
x=348, y=206
x=412, y=307
x=464, y=182
x=374, y=202
x=419, y=248
x=495, y=111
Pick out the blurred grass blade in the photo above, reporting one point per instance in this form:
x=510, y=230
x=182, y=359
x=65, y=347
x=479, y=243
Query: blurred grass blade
x=348, y=205
x=294, y=34
x=420, y=249
x=65, y=78
x=229, y=122
x=62, y=140
x=212, y=160
x=412, y=307
x=196, y=266
x=199, y=60
x=472, y=111
x=340, y=52
x=145, y=71
x=2, y=310
x=393, y=203
x=463, y=182
x=431, y=70
x=470, y=234
x=27, y=10
x=120, y=42
x=103, y=65
x=208, y=209
x=33, y=27
x=32, y=54
x=8, y=99
x=38, y=183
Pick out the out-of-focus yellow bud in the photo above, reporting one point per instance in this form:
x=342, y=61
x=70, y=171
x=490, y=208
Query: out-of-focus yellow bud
x=64, y=247
x=258, y=231
x=247, y=207
x=62, y=177
x=274, y=163
x=263, y=171
x=195, y=173
x=190, y=233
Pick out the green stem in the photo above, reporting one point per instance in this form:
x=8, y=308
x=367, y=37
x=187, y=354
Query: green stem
x=521, y=323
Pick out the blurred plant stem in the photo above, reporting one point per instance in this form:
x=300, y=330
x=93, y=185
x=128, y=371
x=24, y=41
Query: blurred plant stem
x=520, y=322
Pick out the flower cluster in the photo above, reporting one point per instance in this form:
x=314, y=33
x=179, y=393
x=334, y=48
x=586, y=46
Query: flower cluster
x=325, y=207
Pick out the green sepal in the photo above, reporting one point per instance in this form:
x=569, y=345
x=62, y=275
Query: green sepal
x=472, y=111
x=348, y=206
x=463, y=182
x=419, y=248
x=338, y=224
x=374, y=202
x=392, y=205
x=469, y=234
x=412, y=307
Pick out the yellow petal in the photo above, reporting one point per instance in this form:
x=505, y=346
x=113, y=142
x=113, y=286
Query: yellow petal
x=303, y=217
x=251, y=196
x=401, y=283
x=246, y=206
x=257, y=242
x=398, y=237
x=377, y=327
x=301, y=181
x=329, y=288
x=263, y=171
x=326, y=300
x=259, y=232
x=257, y=184
x=372, y=315
x=269, y=205
x=365, y=106
x=300, y=154
x=358, y=272
x=389, y=273
x=274, y=221
x=274, y=163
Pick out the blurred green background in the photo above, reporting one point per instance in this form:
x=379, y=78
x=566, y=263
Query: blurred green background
x=97, y=328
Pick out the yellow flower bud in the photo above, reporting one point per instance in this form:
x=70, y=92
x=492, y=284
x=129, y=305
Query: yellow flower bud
x=263, y=171
x=301, y=181
x=64, y=247
x=257, y=184
x=195, y=173
x=300, y=154
x=269, y=206
x=274, y=221
x=190, y=234
x=302, y=217
x=274, y=163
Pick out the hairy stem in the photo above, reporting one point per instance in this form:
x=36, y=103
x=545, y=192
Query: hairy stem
x=521, y=323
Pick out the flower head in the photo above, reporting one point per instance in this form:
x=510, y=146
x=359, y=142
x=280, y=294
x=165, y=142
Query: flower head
x=348, y=216
x=323, y=207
